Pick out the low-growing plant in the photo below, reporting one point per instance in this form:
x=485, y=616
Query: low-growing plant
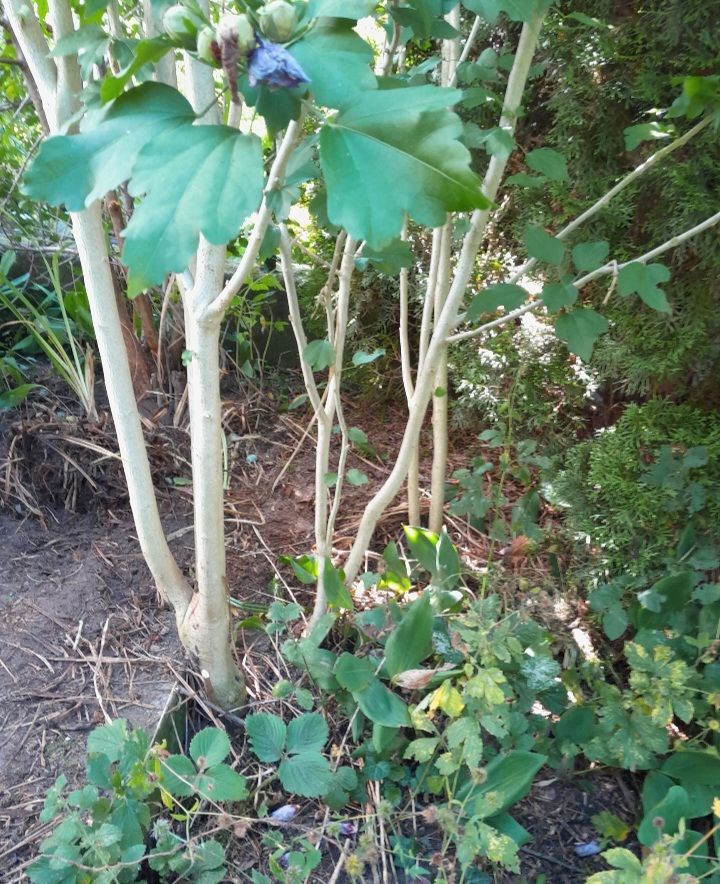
x=103, y=829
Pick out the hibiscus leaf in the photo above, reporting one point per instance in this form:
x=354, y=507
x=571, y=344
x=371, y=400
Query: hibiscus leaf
x=395, y=152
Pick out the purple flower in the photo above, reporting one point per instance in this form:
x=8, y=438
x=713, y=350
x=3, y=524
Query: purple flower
x=273, y=65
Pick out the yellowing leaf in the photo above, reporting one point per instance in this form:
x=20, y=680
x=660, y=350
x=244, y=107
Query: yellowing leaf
x=448, y=700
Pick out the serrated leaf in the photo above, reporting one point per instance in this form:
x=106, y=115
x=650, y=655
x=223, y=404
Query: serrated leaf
x=381, y=706
x=337, y=61
x=411, y=641
x=549, y=163
x=109, y=739
x=203, y=180
x=557, y=295
x=403, y=145
x=267, y=734
x=644, y=279
x=580, y=329
x=307, y=733
x=319, y=355
x=497, y=294
x=590, y=255
x=307, y=775
x=209, y=746
x=542, y=245
x=498, y=142
x=78, y=169
x=178, y=775
x=422, y=749
x=517, y=10
x=222, y=783
x=354, y=673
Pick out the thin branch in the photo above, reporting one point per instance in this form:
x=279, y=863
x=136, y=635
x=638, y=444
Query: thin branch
x=469, y=43
x=220, y=304
x=471, y=244
x=612, y=267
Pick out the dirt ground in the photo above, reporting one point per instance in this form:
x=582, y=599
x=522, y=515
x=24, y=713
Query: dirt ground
x=82, y=637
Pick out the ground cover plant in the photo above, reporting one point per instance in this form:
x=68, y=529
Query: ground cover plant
x=402, y=134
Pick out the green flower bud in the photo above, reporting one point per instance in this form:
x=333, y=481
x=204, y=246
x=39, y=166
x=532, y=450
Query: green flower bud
x=182, y=25
x=236, y=29
x=207, y=47
x=278, y=20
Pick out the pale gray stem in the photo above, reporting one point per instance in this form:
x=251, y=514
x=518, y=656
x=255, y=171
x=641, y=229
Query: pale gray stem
x=275, y=179
x=611, y=267
x=471, y=244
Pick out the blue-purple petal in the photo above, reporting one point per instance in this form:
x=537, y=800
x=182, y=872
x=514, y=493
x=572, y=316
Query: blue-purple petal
x=273, y=65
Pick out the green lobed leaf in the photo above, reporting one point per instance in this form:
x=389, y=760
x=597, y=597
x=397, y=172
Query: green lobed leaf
x=557, y=295
x=576, y=725
x=643, y=279
x=389, y=260
x=209, y=746
x=542, y=245
x=381, y=706
x=307, y=733
x=109, y=739
x=356, y=477
x=337, y=61
x=580, y=328
x=307, y=774
x=78, y=169
x=549, y=163
x=517, y=10
x=205, y=180
x=411, y=641
x=267, y=734
x=402, y=144
x=590, y=255
x=497, y=294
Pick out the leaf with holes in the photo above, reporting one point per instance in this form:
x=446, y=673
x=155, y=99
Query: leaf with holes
x=403, y=144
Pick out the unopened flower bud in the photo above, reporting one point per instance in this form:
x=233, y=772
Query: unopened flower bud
x=182, y=25
x=236, y=29
x=278, y=20
x=207, y=47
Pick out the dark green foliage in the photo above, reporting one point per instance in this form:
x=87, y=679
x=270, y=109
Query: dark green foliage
x=631, y=495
